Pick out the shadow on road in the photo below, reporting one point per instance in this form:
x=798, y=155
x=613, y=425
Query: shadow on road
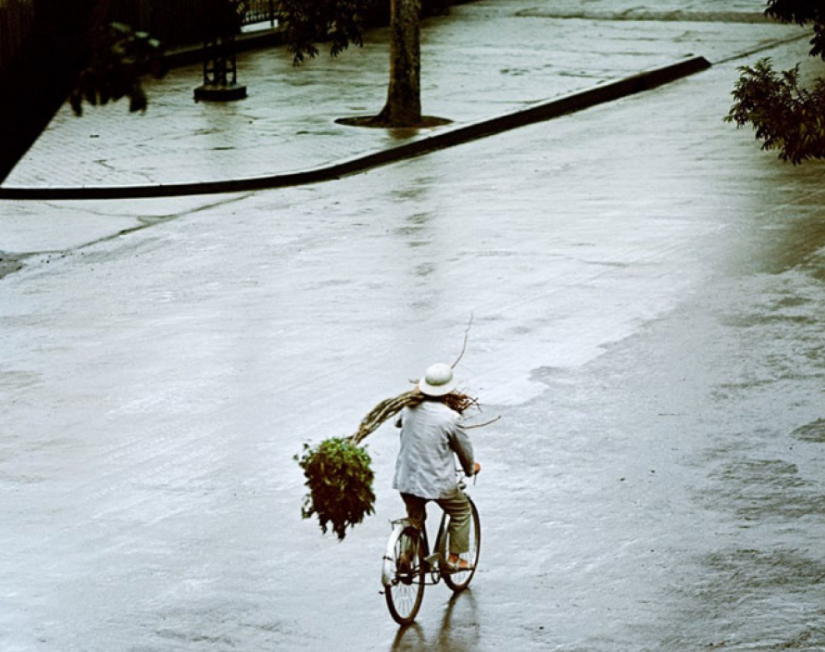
x=459, y=636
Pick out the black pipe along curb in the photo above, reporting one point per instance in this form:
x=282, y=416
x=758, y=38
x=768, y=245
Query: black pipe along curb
x=571, y=103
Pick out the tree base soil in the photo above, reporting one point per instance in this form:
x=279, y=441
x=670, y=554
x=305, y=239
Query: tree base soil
x=378, y=121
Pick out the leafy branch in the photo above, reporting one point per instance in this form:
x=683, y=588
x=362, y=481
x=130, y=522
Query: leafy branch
x=118, y=58
x=338, y=22
x=786, y=116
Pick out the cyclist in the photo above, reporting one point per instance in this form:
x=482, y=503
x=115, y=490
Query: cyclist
x=432, y=435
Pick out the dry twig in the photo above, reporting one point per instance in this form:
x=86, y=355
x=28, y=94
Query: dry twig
x=481, y=425
x=466, y=339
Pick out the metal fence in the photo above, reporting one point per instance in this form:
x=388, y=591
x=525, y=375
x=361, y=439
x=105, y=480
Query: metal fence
x=181, y=22
x=259, y=11
x=16, y=17
x=174, y=22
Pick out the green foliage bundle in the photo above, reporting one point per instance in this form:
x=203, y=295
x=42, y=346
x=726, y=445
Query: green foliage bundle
x=785, y=116
x=339, y=479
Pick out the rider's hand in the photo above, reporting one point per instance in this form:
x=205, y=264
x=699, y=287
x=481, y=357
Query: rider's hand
x=476, y=468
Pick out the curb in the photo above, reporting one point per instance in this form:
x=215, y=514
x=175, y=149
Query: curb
x=193, y=54
x=577, y=101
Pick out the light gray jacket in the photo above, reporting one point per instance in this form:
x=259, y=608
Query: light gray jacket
x=431, y=433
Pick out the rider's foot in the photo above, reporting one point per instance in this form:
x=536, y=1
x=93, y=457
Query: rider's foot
x=457, y=564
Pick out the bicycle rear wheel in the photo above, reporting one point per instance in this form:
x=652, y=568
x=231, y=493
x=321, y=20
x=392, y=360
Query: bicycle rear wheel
x=406, y=588
x=460, y=580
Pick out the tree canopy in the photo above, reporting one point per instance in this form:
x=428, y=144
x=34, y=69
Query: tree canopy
x=337, y=22
x=115, y=60
x=802, y=12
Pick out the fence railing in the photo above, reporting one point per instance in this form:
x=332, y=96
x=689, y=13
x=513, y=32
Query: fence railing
x=181, y=22
x=259, y=11
x=174, y=22
x=16, y=18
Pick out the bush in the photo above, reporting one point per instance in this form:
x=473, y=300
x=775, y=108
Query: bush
x=786, y=116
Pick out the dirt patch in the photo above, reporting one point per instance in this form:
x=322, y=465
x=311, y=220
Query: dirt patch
x=9, y=264
x=814, y=431
x=378, y=122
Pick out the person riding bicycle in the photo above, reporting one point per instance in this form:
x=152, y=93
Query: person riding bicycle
x=432, y=435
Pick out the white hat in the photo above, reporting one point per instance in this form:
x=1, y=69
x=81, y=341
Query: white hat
x=438, y=380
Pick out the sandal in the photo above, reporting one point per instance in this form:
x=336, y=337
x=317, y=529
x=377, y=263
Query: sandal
x=461, y=566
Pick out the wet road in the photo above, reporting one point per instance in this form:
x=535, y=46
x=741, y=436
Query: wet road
x=646, y=303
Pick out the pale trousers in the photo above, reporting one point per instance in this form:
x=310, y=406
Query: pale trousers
x=457, y=505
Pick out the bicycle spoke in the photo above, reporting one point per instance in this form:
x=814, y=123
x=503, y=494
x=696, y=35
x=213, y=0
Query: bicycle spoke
x=406, y=588
x=460, y=580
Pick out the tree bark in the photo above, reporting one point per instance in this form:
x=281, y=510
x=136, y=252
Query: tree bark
x=403, y=107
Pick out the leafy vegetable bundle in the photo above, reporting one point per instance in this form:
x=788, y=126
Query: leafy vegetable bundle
x=338, y=472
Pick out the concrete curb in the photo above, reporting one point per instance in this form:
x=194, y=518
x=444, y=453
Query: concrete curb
x=193, y=54
x=448, y=138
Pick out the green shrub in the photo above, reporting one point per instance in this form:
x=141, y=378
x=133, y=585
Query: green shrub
x=785, y=116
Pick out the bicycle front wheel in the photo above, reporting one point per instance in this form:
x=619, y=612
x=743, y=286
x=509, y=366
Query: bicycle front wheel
x=460, y=580
x=405, y=589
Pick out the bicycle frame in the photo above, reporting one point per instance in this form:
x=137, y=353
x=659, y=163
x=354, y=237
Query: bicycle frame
x=432, y=561
x=408, y=561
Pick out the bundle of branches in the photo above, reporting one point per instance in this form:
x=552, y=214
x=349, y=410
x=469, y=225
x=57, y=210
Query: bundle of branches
x=338, y=472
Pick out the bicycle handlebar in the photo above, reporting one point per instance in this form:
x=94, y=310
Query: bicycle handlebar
x=461, y=476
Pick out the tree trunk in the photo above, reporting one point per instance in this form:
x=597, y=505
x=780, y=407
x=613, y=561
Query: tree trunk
x=403, y=107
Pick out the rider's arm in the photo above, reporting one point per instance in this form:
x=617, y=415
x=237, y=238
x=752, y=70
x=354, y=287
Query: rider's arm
x=463, y=447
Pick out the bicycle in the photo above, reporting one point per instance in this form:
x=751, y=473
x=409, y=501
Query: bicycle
x=408, y=564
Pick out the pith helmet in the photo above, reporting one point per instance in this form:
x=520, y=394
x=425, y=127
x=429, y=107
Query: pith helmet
x=438, y=380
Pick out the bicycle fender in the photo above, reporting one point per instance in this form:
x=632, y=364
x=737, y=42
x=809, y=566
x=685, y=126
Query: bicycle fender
x=388, y=563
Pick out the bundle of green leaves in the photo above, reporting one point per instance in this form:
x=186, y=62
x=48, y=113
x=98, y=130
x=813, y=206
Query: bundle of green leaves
x=339, y=479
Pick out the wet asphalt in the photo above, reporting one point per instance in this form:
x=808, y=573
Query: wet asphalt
x=646, y=291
